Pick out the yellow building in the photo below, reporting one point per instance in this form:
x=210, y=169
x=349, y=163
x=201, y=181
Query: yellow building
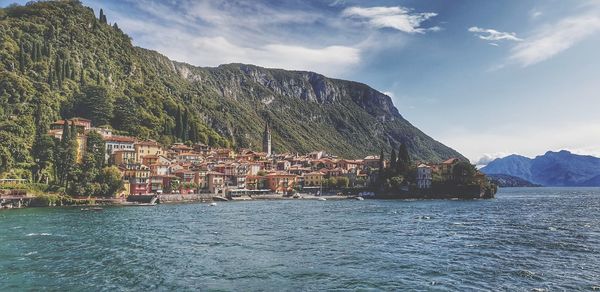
x=146, y=148
x=123, y=156
x=313, y=179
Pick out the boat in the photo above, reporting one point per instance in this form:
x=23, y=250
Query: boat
x=322, y=199
x=97, y=209
x=219, y=198
x=134, y=204
x=212, y=204
x=359, y=198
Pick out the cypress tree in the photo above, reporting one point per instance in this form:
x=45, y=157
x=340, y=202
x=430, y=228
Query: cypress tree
x=102, y=16
x=185, y=125
x=39, y=51
x=65, y=133
x=73, y=130
x=33, y=52
x=393, y=162
x=403, y=163
x=179, y=124
x=381, y=161
x=22, y=58
x=82, y=78
x=50, y=76
x=58, y=69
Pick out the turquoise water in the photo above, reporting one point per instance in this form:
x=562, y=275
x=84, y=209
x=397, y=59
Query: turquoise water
x=525, y=239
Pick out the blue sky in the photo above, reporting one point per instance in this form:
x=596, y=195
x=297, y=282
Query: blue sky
x=488, y=78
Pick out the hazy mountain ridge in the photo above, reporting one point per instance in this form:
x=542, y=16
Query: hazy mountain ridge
x=561, y=168
x=509, y=181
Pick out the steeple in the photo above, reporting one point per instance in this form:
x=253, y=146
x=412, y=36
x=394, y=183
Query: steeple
x=267, y=140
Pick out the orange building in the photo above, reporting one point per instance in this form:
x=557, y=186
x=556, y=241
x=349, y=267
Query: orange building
x=281, y=182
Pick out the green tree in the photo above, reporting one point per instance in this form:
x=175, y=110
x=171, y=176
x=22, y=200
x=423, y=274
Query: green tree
x=403, y=162
x=42, y=152
x=95, y=146
x=110, y=181
x=393, y=162
x=342, y=182
x=82, y=78
x=94, y=103
x=184, y=125
x=21, y=58
x=103, y=17
x=396, y=182
x=125, y=115
x=65, y=156
x=464, y=172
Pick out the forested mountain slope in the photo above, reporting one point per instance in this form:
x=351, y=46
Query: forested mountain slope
x=58, y=60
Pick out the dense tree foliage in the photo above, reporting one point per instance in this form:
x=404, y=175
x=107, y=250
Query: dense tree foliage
x=58, y=56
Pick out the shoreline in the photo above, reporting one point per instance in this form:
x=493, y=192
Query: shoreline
x=211, y=199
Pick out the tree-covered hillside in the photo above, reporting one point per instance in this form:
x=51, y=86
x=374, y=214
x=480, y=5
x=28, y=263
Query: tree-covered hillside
x=59, y=60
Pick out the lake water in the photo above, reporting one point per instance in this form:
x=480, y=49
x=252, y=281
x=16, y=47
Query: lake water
x=525, y=239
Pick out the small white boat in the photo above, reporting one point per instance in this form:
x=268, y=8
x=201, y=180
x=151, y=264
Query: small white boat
x=212, y=204
x=359, y=198
x=322, y=199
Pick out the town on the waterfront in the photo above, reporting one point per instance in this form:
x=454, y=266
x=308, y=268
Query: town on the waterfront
x=93, y=164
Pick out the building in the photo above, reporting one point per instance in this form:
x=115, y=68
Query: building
x=113, y=143
x=189, y=157
x=424, y=176
x=447, y=169
x=144, y=148
x=138, y=176
x=216, y=182
x=123, y=156
x=281, y=182
x=313, y=179
x=371, y=161
x=82, y=125
x=267, y=140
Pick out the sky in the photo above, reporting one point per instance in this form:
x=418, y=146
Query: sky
x=487, y=78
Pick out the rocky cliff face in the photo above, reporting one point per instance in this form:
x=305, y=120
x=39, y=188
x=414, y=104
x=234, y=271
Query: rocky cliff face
x=226, y=105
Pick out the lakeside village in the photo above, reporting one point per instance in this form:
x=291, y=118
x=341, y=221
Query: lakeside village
x=95, y=165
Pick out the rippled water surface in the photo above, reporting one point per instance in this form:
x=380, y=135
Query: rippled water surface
x=525, y=239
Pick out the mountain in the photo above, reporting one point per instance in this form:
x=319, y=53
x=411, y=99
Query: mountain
x=561, y=168
x=509, y=181
x=515, y=165
x=57, y=60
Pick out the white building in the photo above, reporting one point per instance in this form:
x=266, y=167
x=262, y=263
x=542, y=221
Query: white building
x=114, y=143
x=423, y=176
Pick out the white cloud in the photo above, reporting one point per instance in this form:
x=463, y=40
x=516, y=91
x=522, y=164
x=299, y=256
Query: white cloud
x=494, y=35
x=398, y=18
x=554, y=39
x=533, y=14
x=529, y=140
x=489, y=157
x=183, y=46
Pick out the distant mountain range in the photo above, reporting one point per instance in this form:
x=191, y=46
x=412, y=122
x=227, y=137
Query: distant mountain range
x=561, y=168
x=509, y=181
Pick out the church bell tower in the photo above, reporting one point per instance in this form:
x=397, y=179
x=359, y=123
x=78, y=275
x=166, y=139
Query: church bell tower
x=267, y=140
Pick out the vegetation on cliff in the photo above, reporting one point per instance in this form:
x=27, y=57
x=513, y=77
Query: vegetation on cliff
x=58, y=60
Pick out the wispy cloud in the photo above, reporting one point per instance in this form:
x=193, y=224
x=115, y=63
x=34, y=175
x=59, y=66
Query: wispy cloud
x=398, y=18
x=554, y=39
x=213, y=51
x=494, y=35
